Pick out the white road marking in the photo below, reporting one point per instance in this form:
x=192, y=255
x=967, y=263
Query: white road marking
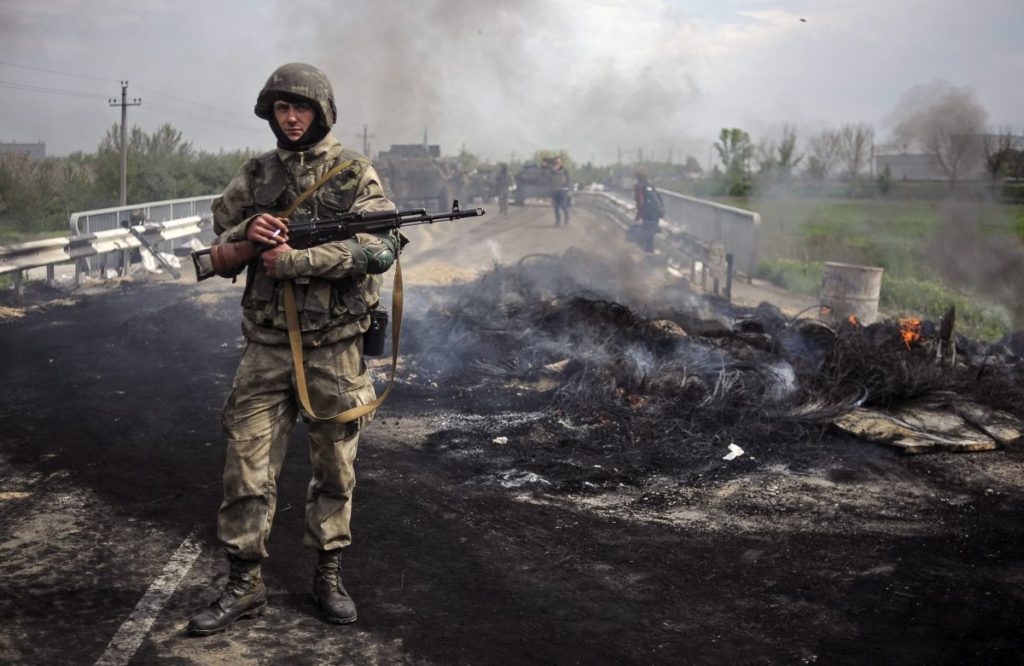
x=132, y=632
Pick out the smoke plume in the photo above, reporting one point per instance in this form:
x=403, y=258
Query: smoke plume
x=503, y=77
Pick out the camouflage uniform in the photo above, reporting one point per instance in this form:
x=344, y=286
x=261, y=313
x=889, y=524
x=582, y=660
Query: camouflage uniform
x=336, y=285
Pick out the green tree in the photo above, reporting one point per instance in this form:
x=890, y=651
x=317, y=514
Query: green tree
x=788, y=159
x=212, y=171
x=160, y=165
x=825, y=154
x=38, y=196
x=735, y=151
x=885, y=181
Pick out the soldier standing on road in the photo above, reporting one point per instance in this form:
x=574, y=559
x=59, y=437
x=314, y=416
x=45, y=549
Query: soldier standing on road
x=336, y=286
x=561, y=196
x=649, y=210
x=502, y=182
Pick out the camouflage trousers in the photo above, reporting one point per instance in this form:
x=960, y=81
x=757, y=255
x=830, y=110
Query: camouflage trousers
x=258, y=419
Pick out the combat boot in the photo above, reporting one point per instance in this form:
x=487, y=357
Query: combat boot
x=243, y=595
x=329, y=593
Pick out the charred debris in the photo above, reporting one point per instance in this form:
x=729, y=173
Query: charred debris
x=556, y=366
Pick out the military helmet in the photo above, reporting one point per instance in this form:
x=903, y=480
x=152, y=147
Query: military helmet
x=302, y=80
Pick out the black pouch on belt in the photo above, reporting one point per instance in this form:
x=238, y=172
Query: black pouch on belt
x=374, y=337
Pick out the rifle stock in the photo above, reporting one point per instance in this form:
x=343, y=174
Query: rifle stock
x=225, y=259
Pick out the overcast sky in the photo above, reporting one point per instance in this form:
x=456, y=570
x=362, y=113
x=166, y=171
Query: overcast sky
x=501, y=77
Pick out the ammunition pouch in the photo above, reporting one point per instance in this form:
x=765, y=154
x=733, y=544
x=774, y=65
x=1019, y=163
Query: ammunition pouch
x=375, y=336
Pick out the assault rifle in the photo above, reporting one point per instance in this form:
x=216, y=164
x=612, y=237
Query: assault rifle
x=227, y=259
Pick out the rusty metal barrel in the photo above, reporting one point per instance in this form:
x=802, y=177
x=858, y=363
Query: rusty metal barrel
x=848, y=289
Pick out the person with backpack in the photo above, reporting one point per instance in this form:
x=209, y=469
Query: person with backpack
x=649, y=210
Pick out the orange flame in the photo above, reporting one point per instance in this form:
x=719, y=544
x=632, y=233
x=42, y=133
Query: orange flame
x=910, y=330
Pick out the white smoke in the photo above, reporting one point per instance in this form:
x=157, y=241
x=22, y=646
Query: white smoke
x=507, y=76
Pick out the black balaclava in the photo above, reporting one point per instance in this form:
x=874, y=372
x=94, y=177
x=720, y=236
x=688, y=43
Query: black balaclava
x=315, y=133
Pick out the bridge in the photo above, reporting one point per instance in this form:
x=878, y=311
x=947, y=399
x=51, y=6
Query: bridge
x=491, y=525
x=710, y=239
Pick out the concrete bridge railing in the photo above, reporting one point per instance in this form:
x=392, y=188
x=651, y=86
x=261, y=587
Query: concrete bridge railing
x=711, y=222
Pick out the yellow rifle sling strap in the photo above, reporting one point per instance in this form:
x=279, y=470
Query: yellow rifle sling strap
x=295, y=334
x=295, y=340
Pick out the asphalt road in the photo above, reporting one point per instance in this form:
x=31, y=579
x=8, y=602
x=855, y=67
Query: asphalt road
x=111, y=457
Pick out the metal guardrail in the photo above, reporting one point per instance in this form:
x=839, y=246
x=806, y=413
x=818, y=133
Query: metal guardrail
x=104, y=219
x=18, y=258
x=708, y=232
x=712, y=259
x=711, y=222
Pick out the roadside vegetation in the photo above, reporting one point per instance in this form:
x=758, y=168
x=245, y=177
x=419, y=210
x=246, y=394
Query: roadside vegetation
x=935, y=253
x=954, y=237
x=37, y=196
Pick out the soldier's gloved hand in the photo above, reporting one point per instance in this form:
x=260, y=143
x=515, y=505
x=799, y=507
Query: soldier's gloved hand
x=267, y=230
x=271, y=256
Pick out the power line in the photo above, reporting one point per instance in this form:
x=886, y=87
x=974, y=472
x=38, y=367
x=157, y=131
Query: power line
x=51, y=91
x=98, y=78
x=75, y=93
x=193, y=116
x=193, y=102
x=156, y=107
x=54, y=71
x=124, y=104
x=366, y=140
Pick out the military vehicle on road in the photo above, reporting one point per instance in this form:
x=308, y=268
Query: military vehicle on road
x=415, y=177
x=480, y=184
x=534, y=180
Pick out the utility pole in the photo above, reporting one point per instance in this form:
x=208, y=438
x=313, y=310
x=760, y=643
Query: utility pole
x=366, y=140
x=124, y=104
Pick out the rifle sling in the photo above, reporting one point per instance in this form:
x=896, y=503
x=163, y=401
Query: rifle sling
x=295, y=334
x=295, y=340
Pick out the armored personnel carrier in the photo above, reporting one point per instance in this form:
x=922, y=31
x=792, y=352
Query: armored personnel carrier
x=415, y=177
x=534, y=180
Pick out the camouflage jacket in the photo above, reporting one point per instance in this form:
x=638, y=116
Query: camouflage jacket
x=333, y=291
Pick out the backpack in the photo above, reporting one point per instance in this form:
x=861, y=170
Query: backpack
x=654, y=207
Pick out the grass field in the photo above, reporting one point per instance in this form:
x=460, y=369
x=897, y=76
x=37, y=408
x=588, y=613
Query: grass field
x=935, y=254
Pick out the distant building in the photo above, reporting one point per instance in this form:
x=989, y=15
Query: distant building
x=913, y=166
x=906, y=166
x=412, y=150
x=36, y=150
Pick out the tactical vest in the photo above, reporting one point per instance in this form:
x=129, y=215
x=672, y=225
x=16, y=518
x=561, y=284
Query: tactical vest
x=329, y=310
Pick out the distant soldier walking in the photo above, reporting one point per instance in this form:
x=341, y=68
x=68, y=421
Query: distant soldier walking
x=561, y=196
x=502, y=182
